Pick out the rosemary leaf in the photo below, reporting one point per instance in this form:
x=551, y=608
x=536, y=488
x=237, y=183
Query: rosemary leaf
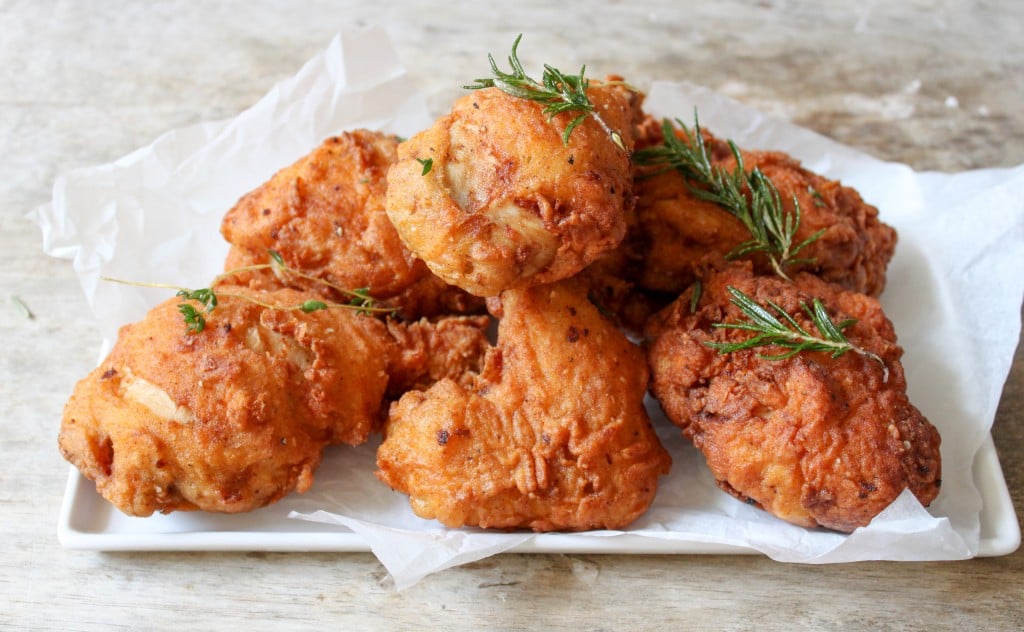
x=695, y=297
x=23, y=307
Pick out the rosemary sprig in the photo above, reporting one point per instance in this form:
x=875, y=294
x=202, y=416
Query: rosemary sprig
x=202, y=302
x=556, y=91
x=785, y=332
x=750, y=197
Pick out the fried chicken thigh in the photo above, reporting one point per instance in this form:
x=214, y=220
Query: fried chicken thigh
x=234, y=417
x=491, y=198
x=553, y=436
x=815, y=440
x=325, y=216
x=678, y=229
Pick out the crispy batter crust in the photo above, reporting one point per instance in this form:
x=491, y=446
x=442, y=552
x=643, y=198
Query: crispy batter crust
x=428, y=351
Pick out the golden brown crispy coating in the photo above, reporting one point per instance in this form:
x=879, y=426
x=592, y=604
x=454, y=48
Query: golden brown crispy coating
x=325, y=216
x=612, y=285
x=505, y=202
x=426, y=351
x=432, y=297
x=229, y=419
x=677, y=229
x=814, y=440
x=616, y=294
x=554, y=435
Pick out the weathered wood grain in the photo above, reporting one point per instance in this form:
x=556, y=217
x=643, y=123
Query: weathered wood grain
x=931, y=83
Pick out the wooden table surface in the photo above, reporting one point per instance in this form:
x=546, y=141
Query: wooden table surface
x=932, y=83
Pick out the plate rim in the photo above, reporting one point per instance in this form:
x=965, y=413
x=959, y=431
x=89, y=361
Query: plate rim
x=1000, y=530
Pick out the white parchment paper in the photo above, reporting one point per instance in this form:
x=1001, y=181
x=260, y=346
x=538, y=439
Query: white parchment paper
x=954, y=295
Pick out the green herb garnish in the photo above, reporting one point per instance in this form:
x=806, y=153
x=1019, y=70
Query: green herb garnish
x=556, y=91
x=428, y=164
x=819, y=201
x=202, y=302
x=785, y=332
x=23, y=307
x=750, y=197
x=312, y=306
x=194, y=318
x=362, y=300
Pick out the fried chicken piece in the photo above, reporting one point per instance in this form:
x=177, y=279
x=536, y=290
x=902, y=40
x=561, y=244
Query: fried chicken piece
x=553, y=436
x=325, y=216
x=678, y=229
x=815, y=440
x=503, y=202
x=231, y=418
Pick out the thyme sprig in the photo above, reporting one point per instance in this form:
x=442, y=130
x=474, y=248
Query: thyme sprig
x=556, y=91
x=199, y=303
x=750, y=197
x=785, y=332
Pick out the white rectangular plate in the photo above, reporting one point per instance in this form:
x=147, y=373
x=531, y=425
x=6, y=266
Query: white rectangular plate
x=89, y=522
x=938, y=216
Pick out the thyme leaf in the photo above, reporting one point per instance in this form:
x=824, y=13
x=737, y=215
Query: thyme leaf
x=195, y=322
x=312, y=306
x=362, y=300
